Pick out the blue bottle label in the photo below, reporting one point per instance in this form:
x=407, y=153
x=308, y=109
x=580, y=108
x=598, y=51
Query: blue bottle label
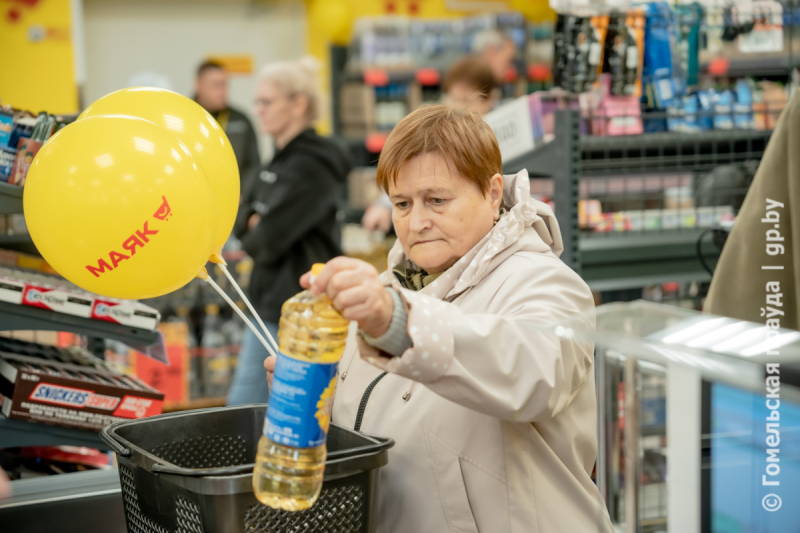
x=300, y=402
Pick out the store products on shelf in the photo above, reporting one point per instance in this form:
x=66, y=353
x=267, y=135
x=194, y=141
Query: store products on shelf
x=21, y=137
x=593, y=219
x=763, y=22
x=216, y=361
x=31, y=288
x=579, y=44
x=172, y=379
x=69, y=387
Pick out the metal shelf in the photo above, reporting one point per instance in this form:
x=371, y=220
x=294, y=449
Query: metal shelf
x=10, y=199
x=14, y=433
x=666, y=152
x=626, y=261
x=23, y=317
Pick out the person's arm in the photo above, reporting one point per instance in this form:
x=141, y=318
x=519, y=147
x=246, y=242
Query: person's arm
x=302, y=198
x=249, y=185
x=507, y=363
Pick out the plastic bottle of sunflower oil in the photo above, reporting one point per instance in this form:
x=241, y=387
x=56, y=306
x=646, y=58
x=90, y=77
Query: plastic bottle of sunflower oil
x=291, y=453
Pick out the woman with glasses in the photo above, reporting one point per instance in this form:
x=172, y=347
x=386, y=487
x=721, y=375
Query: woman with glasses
x=287, y=219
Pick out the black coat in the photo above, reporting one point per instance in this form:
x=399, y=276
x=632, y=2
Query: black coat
x=297, y=195
x=243, y=140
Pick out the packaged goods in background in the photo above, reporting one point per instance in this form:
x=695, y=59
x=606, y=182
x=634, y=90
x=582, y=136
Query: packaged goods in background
x=194, y=369
x=623, y=57
x=6, y=125
x=291, y=454
x=125, y=312
x=172, y=379
x=689, y=19
x=216, y=366
x=6, y=163
x=51, y=293
x=233, y=332
x=120, y=357
x=69, y=387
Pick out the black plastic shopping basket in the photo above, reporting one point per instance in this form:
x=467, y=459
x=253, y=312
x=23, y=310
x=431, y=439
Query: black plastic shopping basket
x=192, y=472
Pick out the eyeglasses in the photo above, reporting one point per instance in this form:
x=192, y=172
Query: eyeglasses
x=266, y=102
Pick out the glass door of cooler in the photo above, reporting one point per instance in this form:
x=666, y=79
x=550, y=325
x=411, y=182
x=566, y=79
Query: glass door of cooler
x=698, y=420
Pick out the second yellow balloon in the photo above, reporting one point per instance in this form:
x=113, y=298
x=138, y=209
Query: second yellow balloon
x=198, y=130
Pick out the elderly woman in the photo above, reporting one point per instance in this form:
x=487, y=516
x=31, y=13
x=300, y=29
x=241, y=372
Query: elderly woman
x=493, y=418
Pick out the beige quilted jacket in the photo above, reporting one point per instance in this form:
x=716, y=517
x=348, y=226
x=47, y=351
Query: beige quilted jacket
x=494, y=421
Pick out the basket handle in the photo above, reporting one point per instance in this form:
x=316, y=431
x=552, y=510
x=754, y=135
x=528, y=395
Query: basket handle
x=118, y=448
x=200, y=472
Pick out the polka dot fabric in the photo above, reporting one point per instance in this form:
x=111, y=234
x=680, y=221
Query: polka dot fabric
x=430, y=324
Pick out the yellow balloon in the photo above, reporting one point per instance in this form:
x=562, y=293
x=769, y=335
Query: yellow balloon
x=331, y=18
x=119, y=206
x=198, y=130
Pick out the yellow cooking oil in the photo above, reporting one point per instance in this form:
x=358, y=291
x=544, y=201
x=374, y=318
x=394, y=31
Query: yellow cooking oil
x=291, y=459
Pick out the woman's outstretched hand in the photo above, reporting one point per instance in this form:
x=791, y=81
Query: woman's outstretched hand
x=356, y=292
x=269, y=365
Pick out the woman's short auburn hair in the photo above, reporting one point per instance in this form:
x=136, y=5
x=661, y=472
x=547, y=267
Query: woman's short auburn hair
x=458, y=135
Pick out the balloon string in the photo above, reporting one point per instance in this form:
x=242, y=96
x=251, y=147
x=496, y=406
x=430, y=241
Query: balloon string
x=235, y=307
x=248, y=304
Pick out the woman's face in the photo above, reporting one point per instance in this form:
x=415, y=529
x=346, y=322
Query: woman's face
x=439, y=215
x=275, y=109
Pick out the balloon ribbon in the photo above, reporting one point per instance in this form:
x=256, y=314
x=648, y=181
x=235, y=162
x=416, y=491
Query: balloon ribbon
x=205, y=277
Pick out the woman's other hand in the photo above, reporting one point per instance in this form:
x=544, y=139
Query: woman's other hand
x=253, y=221
x=356, y=292
x=377, y=217
x=269, y=365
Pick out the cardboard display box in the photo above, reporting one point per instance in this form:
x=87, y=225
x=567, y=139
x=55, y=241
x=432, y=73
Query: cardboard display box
x=69, y=387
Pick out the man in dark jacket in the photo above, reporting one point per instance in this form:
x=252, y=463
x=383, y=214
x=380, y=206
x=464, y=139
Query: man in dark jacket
x=211, y=92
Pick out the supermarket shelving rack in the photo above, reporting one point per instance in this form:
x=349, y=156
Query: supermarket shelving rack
x=633, y=259
x=15, y=433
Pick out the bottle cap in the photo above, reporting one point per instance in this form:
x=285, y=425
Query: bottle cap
x=316, y=268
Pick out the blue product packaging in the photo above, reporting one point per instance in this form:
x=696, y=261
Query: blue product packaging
x=6, y=163
x=6, y=123
x=743, y=107
x=300, y=402
x=705, y=109
x=689, y=18
x=690, y=117
x=723, y=119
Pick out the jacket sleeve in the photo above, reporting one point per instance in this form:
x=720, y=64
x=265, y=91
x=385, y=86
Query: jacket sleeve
x=252, y=158
x=249, y=184
x=302, y=198
x=508, y=362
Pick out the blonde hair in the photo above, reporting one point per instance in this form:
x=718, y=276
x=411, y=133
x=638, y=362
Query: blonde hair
x=458, y=135
x=297, y=77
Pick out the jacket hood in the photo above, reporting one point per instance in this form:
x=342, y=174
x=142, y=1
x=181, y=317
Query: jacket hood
x=325, y=150
x=528, y=225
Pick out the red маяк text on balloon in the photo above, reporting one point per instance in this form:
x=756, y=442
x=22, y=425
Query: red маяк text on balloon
x=138, y=238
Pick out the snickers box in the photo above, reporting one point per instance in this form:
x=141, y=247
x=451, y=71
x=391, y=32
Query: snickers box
x=37, y=385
